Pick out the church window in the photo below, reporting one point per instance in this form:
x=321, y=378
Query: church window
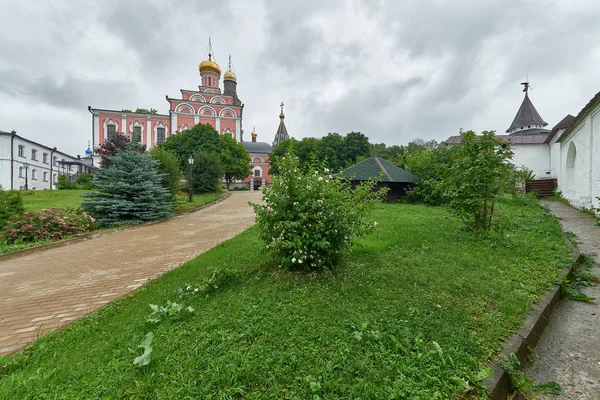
x=34, y=154
x=21, y=150
x=54, y=178
x=257, y=172
x=137, y=134
x=160, y=135
x=21, y=172
x=45, y=176
x=111, y=131
x=56, y=161
x=34, y=174
x=45, y=158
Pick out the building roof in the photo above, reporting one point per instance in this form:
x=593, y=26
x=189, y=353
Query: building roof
x=282, y=133
x=258, y=147
x=591, y=104
x=563, y=124
x=540, y=137
x=377, y=168
x=526, y=116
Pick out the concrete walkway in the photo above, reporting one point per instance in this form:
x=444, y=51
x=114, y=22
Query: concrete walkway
x=45, y=290
x=569, y=350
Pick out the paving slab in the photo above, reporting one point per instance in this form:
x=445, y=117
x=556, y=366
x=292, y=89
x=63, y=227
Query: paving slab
x=569, y=349
x=45, y=290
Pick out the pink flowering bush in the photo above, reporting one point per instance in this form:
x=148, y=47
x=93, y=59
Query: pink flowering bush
x=309, y=219
x=52, y=224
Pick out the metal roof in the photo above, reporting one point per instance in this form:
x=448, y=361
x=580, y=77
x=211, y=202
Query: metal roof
x=526, y=116
x=258, y=147
x=595, y=100
x=377, y=168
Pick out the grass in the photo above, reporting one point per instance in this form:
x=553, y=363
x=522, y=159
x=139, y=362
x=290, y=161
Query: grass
x=198, y=200
x=418, y=309
x=36, y=200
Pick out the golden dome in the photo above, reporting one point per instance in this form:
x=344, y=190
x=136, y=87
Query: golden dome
x=209, y=66
x=282, y=115
x=254, y=134
x=229, y=76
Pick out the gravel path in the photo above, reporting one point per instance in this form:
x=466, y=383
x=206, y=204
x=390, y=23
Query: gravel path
x=569, y=350
x=45, y=290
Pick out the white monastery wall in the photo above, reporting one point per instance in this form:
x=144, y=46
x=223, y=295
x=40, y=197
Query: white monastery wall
x=575, y=166
x=595, y=160
x=535, y=157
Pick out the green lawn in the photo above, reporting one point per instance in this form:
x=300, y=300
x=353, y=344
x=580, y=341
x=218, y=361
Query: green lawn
x=419, y=306
x=44, y=199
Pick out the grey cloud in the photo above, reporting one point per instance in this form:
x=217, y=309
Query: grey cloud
x=72, y=92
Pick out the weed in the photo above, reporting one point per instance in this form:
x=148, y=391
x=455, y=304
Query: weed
x=580, y=278
x=146, y=345
x=521, y=384
x=170, y=311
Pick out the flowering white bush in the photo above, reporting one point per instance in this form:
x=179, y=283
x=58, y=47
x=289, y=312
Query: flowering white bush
x=308, y=220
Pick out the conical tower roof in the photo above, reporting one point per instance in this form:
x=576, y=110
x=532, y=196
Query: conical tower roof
x=527, y=116
x=282, y=133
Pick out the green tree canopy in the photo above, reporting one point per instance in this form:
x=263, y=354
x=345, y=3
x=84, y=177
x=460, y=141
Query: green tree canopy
x=207, y=172
x=234, y=159
x=201, y=137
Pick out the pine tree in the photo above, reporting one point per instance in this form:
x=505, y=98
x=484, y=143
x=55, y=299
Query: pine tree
x=130, y=190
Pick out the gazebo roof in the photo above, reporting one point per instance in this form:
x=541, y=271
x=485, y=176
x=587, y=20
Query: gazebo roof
x=377, y=168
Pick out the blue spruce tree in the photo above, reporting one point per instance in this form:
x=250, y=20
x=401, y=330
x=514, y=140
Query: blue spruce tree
x=130, y=190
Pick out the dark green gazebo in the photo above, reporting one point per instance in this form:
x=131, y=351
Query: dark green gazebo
x=395, y=178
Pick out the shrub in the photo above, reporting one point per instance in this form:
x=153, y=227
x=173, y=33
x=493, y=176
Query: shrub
x=129, y=190
x=64, y=182
x=479, y=173
x=85, y=181
x=310, y=219
x=51, y=224
x=11, y=204
x=206, y=173
x=168, y=164
x=429, y=164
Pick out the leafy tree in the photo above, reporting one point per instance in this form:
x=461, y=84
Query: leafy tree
x=480, y=171
x=201, y=137
x=234, y=159
x=279, y=152
x=330, y=151
x=430, y=165
x=168, y=165
x=11, y=204
x=118, y=143
x=207, y=172
x=146, y=111
x=355, y=145
x=130, y=190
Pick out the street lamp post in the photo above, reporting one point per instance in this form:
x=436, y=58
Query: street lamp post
x=191, y=192
x=26, y=165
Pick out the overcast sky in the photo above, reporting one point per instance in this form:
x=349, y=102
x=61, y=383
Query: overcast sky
x=394, y=70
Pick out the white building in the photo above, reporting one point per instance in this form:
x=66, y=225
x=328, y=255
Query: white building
x=28, y=165
x=567, y=157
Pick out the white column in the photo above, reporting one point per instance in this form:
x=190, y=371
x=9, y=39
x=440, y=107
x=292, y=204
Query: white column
x=124, y=124
x=96, y=130
x=173, y=123
x=218, y=124
x=148, y=132
x=196, y=119
x=238, y=129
